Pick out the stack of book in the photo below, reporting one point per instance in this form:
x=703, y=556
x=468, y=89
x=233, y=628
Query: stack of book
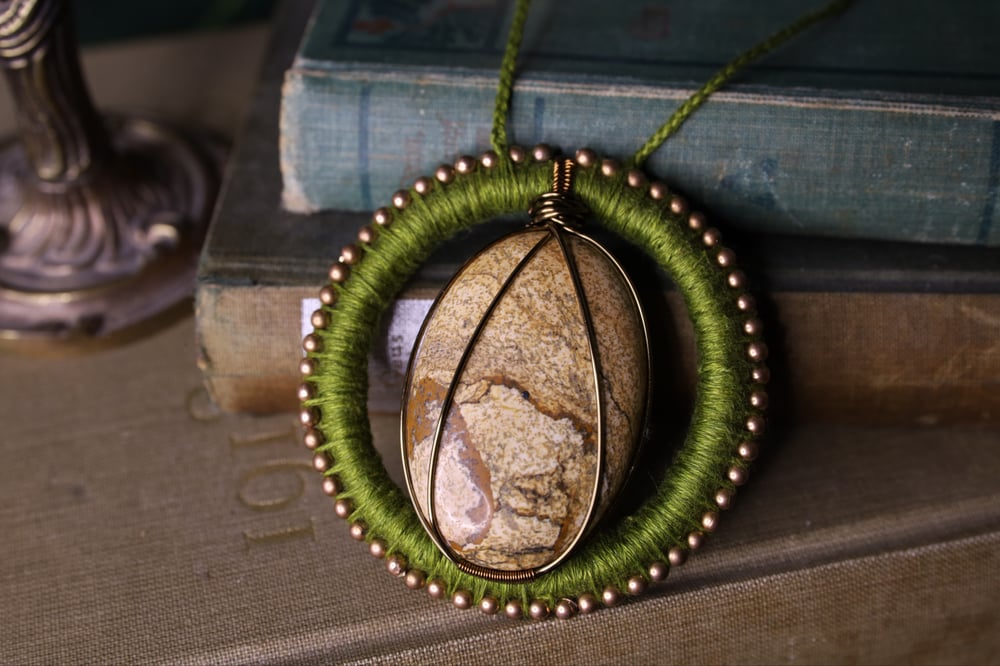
x=856, y=172
x=858, y=181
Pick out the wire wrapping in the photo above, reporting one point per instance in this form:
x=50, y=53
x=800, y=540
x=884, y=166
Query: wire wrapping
x=558, y=206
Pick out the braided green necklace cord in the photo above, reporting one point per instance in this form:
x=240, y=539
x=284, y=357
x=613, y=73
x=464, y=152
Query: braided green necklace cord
x=501, y=109
x=726, y=418
x=498, y=135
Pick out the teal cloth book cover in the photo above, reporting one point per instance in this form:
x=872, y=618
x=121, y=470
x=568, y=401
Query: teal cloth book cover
x=881, y=123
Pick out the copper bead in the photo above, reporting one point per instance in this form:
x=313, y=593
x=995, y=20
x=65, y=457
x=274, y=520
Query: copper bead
x=586, y=157
x=489, y=159
x=320, y=462
x=756, y=424
x=415, y=579
x=465, y=164
x=309, y=416
x=565, y=609
x=747, y=450
x=306, y=391
x=737, y=475
x=610, y=168
x=436, y=588
x=339, y=272
x=726, y=257
x=366, y=235
x=350, y=254
x=312, y=343
x=753, y=326
x=395, y=564
x=423, y=185
x=358, y=531
x=542, y=152
x=343, y=508
x=462, y=599
x=658, y=571
x=658, y=191
x=587, y=603
x=320, y=319
x=635, y=178
x=401, y=199
x=538, y=610
x=489, y=605
x=444, y=174
x=312, y=438
x=328, y=295
x=377, y=548
x=757, y=351
x=636, y=585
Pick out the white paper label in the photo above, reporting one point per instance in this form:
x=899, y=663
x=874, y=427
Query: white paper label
x=395, y=342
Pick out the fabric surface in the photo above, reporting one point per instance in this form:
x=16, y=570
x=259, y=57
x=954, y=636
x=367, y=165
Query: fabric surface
x=141, y=525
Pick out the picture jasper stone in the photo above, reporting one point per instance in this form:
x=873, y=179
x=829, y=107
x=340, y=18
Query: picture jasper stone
x=517, y=468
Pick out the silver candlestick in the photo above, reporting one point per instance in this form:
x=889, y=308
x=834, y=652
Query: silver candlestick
x=101, y=219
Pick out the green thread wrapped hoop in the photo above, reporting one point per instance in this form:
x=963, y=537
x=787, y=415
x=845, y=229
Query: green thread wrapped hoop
x=618, y=559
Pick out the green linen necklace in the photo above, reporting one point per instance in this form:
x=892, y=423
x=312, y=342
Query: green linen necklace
x=496, y=562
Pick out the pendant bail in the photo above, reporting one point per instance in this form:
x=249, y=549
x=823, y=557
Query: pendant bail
x=558, y=206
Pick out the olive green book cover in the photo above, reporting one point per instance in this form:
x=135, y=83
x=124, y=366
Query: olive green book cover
x=142, y=525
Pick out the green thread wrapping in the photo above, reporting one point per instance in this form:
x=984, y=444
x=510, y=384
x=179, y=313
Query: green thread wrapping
x=616, y=552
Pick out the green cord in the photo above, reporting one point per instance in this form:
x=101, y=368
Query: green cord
x=498, y=135
x=692, y=103
x=682, y=113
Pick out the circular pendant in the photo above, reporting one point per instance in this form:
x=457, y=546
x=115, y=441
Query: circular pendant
x=502, y=513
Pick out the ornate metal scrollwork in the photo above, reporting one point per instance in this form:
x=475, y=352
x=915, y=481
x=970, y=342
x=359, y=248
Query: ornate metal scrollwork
x=100, y=219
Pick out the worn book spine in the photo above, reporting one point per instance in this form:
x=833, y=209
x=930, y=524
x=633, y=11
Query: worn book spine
x=856, y=357
x=837, y=151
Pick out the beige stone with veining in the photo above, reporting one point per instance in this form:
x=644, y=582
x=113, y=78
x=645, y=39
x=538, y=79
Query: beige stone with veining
x=518, y=462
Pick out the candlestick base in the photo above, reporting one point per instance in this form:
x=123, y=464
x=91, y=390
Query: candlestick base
x=98, y=254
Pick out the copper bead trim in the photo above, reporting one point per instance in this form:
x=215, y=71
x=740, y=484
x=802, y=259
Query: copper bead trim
x=732, y=477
